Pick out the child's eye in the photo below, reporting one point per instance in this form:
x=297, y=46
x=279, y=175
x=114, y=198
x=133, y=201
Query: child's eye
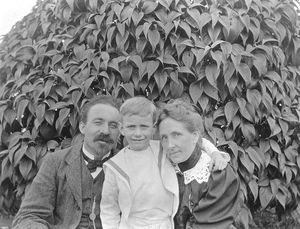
x=163, y=138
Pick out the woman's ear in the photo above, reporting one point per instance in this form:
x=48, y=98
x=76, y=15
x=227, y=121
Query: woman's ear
x=196, y=136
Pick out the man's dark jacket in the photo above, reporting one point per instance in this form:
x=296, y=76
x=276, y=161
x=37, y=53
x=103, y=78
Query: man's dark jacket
x=54, y=199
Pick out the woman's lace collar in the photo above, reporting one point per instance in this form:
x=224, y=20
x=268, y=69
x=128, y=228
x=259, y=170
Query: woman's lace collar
x=200, y=172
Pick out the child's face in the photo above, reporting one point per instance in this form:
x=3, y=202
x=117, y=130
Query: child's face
x=138, y=131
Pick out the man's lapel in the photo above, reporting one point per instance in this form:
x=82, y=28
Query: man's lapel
x=74, y=173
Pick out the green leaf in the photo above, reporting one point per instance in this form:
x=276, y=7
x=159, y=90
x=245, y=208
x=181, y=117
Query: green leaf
x=154, y=37
x=98, y=19
x=230, y=69
x=231, y=109
x=25, y=167
x=241, y=102
x=31, y=153
x=136, y=17
x=126, y=72
x=246, y=21
x=168, y=59
x=245, y=72
x=19, y=154
x=254, y=188
x=185, y=69
x=260, y=63
x=272, y=75
x=176, y=89
x=256, y=155
x=253, y=97
x=203, y=19
x=152, y=66
x=247, y=163
x=211, y=91
x=188, y=58
x=212, y=73
x=121, y=28
x=137, y=60
x=21, y=108
x=203, y=101
x=186, y=28
x=282, y=198
x=161, y=80
x=58, y=106
x=129, y=88
x=199, y=53
x=275, y=146
x=195, y=91
x=217, y=56
x=149, y=6
x=26, y=52
x=265, y=196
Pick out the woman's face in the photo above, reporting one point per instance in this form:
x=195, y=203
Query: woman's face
x=177, y=141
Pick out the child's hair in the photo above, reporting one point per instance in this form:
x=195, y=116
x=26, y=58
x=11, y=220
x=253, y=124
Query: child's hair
x=182, y=112
x=140, y=106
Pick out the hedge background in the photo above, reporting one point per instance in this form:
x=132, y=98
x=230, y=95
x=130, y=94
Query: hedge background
x=238, y=60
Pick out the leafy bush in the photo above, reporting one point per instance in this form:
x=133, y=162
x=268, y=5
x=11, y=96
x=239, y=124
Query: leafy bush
x=238, y=60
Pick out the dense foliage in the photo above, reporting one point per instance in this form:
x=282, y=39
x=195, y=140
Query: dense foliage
x=238, y=60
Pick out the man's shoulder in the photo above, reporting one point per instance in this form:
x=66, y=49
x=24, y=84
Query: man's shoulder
x=63, y=153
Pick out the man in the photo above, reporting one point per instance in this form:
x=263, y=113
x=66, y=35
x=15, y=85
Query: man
x=66, y=192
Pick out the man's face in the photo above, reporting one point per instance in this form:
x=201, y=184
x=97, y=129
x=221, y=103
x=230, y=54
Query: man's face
x=101, y=130
x=177, y=141
x=138, y=130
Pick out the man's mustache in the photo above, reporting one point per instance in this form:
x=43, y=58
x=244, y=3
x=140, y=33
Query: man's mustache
x=104, y=138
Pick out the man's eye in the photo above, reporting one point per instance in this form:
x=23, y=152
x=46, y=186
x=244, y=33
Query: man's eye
x=113, y=125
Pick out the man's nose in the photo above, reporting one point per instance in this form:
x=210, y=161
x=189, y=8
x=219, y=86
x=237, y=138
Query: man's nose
x=105, y=128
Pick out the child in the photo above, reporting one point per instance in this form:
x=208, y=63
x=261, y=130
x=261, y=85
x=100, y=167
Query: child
x=140, y=189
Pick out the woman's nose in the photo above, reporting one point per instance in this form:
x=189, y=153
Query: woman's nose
x=171, y=143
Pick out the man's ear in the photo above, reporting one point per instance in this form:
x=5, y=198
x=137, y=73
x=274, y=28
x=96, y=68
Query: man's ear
x=121, y=128
x=82, y=127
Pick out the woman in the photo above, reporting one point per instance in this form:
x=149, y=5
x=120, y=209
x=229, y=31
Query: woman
x=207, y=199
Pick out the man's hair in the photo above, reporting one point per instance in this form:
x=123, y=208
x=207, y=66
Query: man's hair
x=182, y=112
x=140, y=106
x=101, y=99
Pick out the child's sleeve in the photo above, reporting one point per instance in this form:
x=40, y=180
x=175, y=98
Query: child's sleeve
x=110, y=213
x=210, y=148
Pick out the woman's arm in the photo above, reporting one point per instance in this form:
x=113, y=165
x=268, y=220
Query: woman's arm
x=220, y=204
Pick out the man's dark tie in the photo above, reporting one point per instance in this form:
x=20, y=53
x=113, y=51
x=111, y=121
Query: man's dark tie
x=93, y=164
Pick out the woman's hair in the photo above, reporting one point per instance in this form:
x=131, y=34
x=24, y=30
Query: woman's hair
x=182, y=112
x=140, y=106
